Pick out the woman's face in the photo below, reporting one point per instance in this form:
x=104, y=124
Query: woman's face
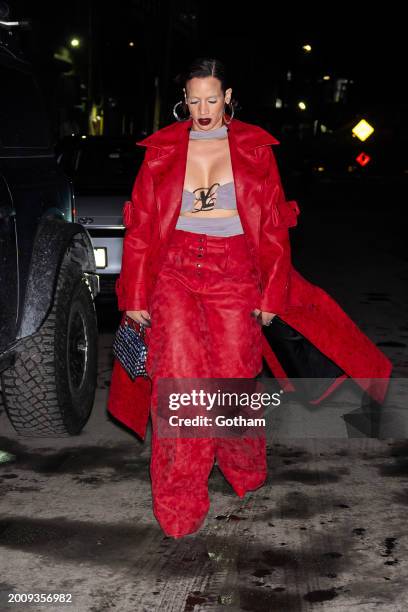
x=205, y=101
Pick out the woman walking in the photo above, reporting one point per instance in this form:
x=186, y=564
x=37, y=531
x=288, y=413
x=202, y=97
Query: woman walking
x=206, y=263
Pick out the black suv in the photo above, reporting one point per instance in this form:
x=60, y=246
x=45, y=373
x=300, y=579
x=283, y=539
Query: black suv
x=48, y=327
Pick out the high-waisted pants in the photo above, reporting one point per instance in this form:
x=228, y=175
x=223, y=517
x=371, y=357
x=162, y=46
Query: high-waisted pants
x=201, y=327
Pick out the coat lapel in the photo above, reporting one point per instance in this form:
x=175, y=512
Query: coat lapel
x=167, y=160
x=249, y=175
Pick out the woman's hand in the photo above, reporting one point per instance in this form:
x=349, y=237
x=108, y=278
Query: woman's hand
x=140, y=316
x=264, y=318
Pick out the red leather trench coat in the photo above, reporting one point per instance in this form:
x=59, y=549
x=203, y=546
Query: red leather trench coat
x=266, y=216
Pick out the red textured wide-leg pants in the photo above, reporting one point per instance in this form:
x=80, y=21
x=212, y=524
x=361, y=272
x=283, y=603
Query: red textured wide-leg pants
x=202, y=328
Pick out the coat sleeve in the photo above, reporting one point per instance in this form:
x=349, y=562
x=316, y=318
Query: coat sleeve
x=139, y=216
x=277, y=216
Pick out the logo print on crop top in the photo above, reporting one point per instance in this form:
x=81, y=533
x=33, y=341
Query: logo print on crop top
x=205, y=198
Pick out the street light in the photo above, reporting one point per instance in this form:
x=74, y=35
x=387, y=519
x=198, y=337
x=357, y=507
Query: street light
x=75, y=42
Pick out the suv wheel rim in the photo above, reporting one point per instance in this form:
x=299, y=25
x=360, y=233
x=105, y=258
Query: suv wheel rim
x=78, y=348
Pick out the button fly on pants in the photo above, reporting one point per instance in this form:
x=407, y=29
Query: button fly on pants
x=198, y=257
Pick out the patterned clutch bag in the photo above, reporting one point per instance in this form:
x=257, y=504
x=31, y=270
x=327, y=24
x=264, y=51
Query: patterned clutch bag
x=129, y=347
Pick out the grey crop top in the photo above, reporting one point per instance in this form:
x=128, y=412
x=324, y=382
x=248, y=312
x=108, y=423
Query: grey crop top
x=210, y=198
x=217, y=196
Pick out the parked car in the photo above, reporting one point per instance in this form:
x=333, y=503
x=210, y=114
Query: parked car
x=48, y=280
x=103, y=170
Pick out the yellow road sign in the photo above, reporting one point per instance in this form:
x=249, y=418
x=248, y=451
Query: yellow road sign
x=363, y=130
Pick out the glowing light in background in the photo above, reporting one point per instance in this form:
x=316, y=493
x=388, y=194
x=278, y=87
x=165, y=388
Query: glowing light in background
x=363, y=159
x=362, y=130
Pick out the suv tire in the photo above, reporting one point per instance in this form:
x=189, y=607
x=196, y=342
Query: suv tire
x=50, y=390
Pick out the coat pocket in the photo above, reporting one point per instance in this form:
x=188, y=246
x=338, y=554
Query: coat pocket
x=287, y=214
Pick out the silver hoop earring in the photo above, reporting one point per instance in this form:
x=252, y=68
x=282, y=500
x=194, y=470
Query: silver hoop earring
x=175, y=113
x=232, y=113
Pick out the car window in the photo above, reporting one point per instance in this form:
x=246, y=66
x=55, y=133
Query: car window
x=101, y=167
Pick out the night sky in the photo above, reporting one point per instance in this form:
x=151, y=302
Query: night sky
x=364, y=42
x=259, y=42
